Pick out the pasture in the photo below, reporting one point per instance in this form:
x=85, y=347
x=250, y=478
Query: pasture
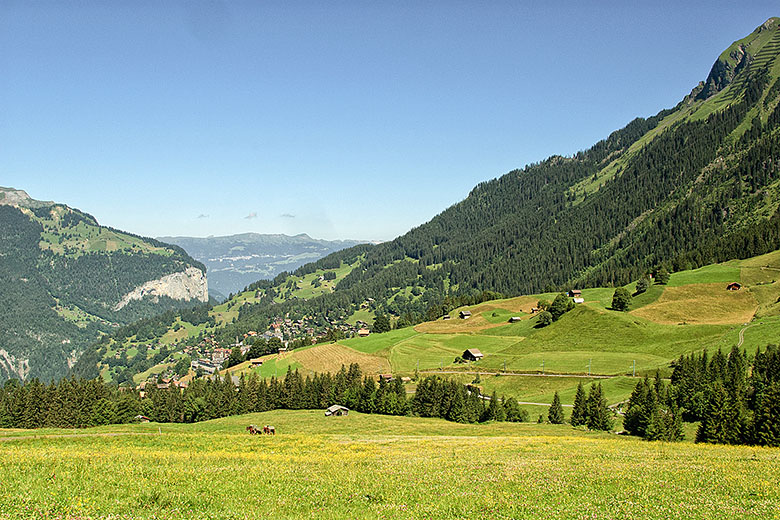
x=365, y=466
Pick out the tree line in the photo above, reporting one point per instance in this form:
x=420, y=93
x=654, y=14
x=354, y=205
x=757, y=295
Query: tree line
x=79, y=403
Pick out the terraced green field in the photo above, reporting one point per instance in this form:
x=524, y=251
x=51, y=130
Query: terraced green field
x=367, y=466
x=692, y=312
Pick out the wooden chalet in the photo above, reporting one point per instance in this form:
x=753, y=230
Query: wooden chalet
x=472, y=354
x=734, y=286
x=464, y=315
x=256, y=362
x=336, y=410
x=363, y=332
x=575, y=293
x=515, y=319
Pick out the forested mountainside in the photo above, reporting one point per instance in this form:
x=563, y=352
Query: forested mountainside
x=692, y=185
x=235, y=261
x=64, y=279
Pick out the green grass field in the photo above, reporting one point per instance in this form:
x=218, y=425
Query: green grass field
x=364, y=466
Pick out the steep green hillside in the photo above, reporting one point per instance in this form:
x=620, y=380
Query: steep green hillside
x=64, y=279
x=692, y=185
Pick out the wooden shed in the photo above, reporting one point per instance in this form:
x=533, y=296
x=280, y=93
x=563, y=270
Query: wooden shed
x=472, y=354
x=734, y=286
x=464, y=315
x=337, y=410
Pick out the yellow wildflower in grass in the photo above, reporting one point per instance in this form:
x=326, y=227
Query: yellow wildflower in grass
x=363, y=466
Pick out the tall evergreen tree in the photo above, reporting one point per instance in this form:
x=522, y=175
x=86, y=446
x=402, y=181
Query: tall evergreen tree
x=555, y=413
x=579, y=414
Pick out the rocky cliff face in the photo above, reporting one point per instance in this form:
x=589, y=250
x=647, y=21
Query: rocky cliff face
x=188, y=285
x=723, y=72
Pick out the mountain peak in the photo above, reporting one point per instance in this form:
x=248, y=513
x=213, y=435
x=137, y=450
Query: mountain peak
x=758, y=50
x=20, y=198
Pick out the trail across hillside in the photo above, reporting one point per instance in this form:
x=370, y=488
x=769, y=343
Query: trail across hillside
x=742, y=333
x=529, y=374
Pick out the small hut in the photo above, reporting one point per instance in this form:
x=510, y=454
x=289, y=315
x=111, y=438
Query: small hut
x=734, y=286
x=336, y=409
x=472, y=354
x=464, y=315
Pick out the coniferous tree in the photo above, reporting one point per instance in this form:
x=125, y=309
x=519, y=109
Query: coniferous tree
x=599, y=416
x=579, y=414
x=555, y=413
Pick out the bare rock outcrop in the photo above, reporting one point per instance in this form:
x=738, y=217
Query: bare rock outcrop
x=188, y=285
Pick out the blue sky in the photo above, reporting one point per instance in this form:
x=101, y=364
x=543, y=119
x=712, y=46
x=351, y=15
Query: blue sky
x=336, y=119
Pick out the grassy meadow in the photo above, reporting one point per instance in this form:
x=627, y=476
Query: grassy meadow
x=694, y=311
x=366, y=466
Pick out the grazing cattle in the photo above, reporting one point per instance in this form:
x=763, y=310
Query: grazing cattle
x=252, y=429
x=269, y=430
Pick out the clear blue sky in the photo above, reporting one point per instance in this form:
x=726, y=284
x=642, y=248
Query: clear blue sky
x=337, y=119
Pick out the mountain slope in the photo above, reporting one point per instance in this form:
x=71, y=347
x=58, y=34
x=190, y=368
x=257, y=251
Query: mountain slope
x=234, y=262
x=64, y=279
x=693, y=185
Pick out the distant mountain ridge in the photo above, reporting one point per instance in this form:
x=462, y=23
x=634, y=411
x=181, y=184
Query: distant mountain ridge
x=65, y=279
x=236, y=261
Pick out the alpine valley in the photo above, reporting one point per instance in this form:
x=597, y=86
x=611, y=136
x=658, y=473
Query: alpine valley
x=694, y=185
x=590, y=336
x=233, y=262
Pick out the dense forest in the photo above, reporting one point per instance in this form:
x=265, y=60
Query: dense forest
x=736, y=400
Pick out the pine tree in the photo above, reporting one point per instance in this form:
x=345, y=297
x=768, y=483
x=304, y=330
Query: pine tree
x=766, y=425
x=579, y=414
x=599, y=416
x=555, y=413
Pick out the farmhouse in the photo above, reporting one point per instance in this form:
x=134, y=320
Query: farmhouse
x=386, y=377
x=363, y=332
x=734, y=286
x=256, y=362
x=337, y=410
x=579, y=299
x=464, y=315
x=472, y=354
x=575, y=293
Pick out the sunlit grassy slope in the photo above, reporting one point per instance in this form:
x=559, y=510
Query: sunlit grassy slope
x=692, y=312
x=366, y=466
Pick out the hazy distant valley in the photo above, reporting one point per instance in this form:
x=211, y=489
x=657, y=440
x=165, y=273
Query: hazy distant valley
x=233, y=262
